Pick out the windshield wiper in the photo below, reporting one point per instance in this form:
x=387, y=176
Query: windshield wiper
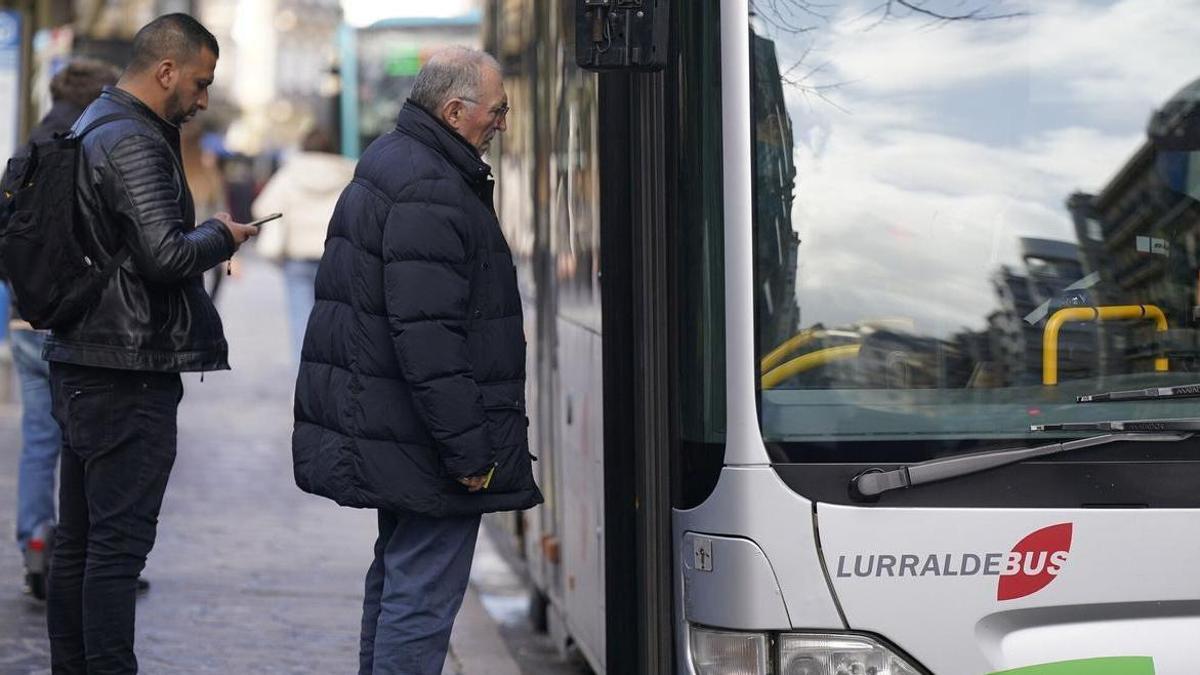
x=1182, y=391
x=1186, y=424
x=871, y=483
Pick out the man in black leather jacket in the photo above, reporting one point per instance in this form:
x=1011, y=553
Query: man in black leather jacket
x=115, y=373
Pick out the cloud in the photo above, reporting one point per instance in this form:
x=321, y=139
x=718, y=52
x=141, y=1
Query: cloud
x=949, y=143
x=1066, y=49
x=924, y=219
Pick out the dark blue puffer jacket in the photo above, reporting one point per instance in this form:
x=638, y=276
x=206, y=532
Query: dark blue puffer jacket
x=413, y=367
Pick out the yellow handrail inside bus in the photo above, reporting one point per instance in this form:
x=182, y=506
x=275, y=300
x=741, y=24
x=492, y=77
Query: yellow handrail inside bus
x=779, y=354
x=807, y=362
x=1110, y=313
x=788, y=346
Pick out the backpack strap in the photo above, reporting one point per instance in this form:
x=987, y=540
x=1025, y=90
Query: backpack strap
x=122, y=255
x=116, y=261
x=102, y=121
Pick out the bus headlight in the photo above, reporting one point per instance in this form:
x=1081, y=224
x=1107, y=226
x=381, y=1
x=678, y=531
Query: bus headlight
x=816, y=654
x=718, y=652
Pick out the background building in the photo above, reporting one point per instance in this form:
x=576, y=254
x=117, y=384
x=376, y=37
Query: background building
x=282, y=67
x=1141, y=235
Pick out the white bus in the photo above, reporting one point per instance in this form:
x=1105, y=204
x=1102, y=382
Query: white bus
x=862, y=333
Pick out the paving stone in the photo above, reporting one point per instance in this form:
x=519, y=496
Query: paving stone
x=249, y=575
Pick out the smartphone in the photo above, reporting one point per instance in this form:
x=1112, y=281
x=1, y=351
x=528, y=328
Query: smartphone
x=267, y=219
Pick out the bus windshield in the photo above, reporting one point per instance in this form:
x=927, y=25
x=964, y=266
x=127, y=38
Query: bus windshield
x=968, y=214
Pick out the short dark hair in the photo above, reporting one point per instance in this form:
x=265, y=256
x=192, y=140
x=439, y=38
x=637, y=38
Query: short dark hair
x=80, y=81
x=178, y=36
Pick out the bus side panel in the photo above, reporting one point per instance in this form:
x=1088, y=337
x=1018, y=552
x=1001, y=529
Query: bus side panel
x=753, y=504
x=581, y=464
x=511, y=33
x=533, y=527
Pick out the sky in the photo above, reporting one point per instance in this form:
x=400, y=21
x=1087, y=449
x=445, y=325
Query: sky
x=934, y=146
x=366, y=12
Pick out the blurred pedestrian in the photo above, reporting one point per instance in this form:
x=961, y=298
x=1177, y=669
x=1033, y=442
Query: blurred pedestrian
x=207, y=184
x=411, y=392
x=72, y=89
x=305, y=189
x=114, y=372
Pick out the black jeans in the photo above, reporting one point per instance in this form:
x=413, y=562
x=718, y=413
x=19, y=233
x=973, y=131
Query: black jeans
x=118, y=448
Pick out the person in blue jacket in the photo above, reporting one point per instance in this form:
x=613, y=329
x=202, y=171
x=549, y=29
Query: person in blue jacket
x=72, y=89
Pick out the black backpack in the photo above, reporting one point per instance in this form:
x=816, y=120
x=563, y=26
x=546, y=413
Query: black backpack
x=43, y=250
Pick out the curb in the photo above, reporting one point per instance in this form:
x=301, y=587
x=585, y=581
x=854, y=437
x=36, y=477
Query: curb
x=476, y=647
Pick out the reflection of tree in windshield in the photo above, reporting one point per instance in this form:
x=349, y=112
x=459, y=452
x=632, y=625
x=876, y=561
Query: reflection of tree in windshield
x=895, y=357
x=799, y=17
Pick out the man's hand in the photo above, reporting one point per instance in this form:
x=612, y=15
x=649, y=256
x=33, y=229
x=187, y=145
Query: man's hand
x=241, y=232
x=473, y=483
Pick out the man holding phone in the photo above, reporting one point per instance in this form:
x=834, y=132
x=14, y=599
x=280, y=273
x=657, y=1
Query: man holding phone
x=115, y=372
x=264, y=219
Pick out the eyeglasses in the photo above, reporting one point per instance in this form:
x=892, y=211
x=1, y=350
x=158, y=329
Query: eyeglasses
x=496, y=113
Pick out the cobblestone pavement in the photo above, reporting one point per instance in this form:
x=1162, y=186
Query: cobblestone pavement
x=249, y=575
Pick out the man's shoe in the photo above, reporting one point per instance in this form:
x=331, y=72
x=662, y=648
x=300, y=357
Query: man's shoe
x=35, y=585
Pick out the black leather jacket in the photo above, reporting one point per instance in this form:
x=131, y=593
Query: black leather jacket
x=131, y=192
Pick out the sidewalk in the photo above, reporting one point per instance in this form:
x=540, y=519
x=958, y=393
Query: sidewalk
x=249, y=574
x=476, y=647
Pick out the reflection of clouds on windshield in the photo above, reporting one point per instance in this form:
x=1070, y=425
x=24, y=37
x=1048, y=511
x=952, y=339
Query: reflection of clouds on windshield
x=1094, y=52
x=942, y=149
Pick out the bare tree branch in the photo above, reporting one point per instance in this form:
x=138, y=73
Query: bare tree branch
x=979, y=13
x=775, y=16
x=792, y=15
x=797, y=17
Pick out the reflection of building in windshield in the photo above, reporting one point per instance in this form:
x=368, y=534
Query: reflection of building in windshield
x=1141, y=235
x=1138, y=244
x=775, y=177
x=1027, y=295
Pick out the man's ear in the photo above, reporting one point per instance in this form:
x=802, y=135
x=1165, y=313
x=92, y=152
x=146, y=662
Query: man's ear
x=166, y=73
x=453, y=111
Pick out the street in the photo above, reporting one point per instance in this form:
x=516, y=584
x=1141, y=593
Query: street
x=249, y=574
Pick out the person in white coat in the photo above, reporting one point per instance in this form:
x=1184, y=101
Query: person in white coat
x=305, y=189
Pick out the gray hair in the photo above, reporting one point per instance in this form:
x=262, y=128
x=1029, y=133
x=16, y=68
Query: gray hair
x=454, y=72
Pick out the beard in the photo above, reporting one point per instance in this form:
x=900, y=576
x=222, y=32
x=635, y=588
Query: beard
x=176, y=114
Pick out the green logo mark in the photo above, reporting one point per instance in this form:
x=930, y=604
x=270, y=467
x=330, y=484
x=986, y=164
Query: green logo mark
x=1119, y=665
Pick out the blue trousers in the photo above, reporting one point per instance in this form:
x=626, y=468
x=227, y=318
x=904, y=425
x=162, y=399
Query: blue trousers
x=299, y=278
x=414, y=589
x=40, y=435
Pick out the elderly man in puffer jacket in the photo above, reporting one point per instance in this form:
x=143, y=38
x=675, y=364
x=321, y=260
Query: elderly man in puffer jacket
x=411, y=392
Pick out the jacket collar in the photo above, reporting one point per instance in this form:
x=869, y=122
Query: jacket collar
x=428, y=129
x=128, y=100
